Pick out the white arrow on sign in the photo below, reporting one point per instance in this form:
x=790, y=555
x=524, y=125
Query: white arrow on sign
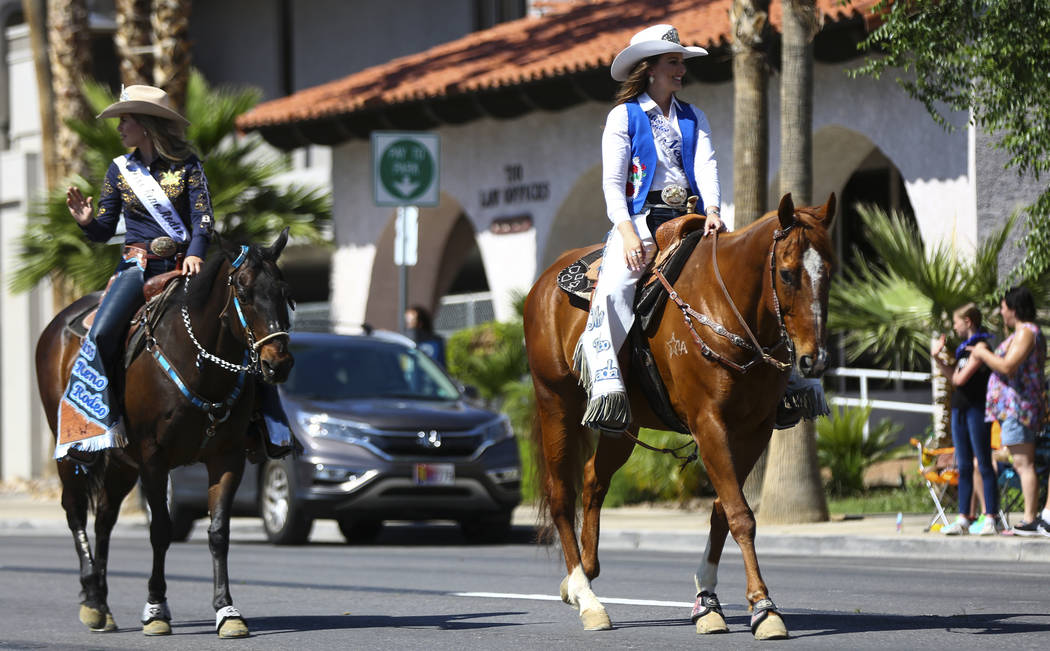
x=406, y=186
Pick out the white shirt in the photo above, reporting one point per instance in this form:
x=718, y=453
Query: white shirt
x=616, y=160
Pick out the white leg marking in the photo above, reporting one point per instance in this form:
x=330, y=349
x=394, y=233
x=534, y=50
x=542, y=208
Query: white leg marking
x=706, y=577
x=580, y=592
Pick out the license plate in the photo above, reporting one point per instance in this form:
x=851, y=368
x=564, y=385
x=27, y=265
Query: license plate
x=435, y=474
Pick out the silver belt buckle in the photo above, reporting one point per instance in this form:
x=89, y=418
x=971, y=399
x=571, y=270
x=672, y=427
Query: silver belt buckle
x=674, y=196
x=163, y=247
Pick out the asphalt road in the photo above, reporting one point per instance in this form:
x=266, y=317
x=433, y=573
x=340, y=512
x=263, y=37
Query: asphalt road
x=423, y=588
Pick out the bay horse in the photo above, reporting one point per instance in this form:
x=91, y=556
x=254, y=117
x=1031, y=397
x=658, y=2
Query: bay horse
x=187, y=397
x=776, y=275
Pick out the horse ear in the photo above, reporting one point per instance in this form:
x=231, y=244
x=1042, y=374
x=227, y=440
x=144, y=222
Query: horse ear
x=829, y=211
x=786, y=211
x=275, y=249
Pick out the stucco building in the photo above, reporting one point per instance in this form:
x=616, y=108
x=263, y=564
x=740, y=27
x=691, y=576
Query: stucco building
x=517, y=91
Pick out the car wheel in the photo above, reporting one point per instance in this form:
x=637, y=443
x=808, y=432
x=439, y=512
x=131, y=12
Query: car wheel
x=282, y=518
x=183, y=518
x=488, y=529
x=359, y=531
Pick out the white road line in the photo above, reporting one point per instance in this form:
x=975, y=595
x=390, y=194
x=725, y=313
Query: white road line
x=547, y=597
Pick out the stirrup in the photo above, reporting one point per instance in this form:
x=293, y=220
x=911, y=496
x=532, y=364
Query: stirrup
x=85, y=458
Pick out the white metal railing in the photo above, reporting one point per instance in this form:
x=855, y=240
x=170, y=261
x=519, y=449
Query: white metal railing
x=865, y=374
x=458, y=311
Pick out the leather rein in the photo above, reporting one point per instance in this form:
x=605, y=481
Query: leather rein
x=217, y=412
x=761, y=354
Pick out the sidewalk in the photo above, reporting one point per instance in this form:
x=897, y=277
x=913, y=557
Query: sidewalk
x=644, y=528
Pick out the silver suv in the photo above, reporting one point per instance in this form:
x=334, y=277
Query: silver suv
x=387, y=435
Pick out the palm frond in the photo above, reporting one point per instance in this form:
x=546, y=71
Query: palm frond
x=247, y=203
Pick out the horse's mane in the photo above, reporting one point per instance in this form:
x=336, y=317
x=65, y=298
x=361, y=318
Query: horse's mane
x=198, y=287
x=808, y=218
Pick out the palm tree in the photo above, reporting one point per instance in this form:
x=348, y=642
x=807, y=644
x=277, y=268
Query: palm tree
x=750, y=23
x=132, y=40
x=792, y=489
x=69, y=47
x=35, y=11
x=246, y=202
x=171, y=47
x=889, y=309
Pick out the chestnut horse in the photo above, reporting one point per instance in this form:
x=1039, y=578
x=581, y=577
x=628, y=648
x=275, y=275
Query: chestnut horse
x=776, y=276
x=187, y=398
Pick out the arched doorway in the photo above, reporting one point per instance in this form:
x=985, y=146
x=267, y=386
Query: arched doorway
x=580, y=219
x=448, y=260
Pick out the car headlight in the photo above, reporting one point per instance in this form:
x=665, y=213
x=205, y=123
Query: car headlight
x=497, y=430
x=328, y=427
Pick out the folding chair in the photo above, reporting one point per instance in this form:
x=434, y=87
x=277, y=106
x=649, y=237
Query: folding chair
x=1011, y=499
x=938, y=469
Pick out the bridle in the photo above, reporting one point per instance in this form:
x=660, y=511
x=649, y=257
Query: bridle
x=217, y=412
x=761, y=354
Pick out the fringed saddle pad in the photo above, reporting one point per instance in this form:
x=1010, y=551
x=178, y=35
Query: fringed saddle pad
x=580, y=278
x=156, y=297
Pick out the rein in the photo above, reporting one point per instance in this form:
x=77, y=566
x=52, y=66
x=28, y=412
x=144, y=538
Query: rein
x=686, y=460
x=761, y=354
x=217, y=412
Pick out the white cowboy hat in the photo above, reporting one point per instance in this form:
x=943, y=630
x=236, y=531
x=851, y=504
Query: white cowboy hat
x=143, y=100
x=658, y=39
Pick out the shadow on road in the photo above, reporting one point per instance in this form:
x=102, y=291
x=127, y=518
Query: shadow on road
x=261, y=626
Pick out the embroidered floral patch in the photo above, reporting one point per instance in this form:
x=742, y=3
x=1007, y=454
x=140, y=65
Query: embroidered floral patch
x=170, y=178
x=634, y=178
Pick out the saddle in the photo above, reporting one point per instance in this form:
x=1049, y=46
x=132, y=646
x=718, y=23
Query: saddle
x=155, y=291
x=675, y=241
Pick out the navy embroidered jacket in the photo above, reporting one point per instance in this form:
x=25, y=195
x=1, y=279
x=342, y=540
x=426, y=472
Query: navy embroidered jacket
x=184, y=184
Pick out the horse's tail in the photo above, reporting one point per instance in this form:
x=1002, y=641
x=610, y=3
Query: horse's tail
x=540, y=479
x=87, y=480
x=96, y=479
x=576, y=450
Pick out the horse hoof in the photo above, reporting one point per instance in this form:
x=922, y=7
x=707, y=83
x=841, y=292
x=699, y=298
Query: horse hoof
x=93, y=618
x=157, y=627
x=710, y=623
x=771, y=628
x=109, y=627
x=595, y=619
x=563, y=589
x=233, y=627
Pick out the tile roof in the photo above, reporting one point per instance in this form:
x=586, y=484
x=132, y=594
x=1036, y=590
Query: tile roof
x=572, y=38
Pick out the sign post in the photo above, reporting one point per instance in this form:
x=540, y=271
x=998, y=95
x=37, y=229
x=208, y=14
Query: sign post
x=405, y=174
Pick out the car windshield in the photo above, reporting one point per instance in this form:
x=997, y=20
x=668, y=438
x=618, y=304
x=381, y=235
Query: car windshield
x=361, y=368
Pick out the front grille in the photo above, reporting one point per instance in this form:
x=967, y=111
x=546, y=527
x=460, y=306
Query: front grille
x=409, y=445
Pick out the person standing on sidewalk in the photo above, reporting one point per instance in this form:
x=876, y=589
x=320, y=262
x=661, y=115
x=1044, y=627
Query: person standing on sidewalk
x=971, y=435
x=1017, y=397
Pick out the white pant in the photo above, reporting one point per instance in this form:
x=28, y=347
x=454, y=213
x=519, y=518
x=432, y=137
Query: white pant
x=609, y=321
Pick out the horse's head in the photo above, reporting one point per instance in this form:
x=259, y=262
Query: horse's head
x=261, y=304
x=802, y=264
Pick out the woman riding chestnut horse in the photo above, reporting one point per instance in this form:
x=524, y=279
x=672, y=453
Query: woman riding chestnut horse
x=750, y=305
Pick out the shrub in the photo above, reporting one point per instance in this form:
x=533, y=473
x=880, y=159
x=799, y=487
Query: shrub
x=842, y=448
x=488, y=356
x=650, y=476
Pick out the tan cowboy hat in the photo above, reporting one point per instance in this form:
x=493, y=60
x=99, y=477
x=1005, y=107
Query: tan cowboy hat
x=651, y=41
x=143, y=100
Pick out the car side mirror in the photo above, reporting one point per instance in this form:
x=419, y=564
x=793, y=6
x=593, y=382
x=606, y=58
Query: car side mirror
x=470, y=392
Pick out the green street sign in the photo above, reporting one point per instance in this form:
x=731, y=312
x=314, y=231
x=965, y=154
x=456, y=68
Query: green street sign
x=405, y=168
